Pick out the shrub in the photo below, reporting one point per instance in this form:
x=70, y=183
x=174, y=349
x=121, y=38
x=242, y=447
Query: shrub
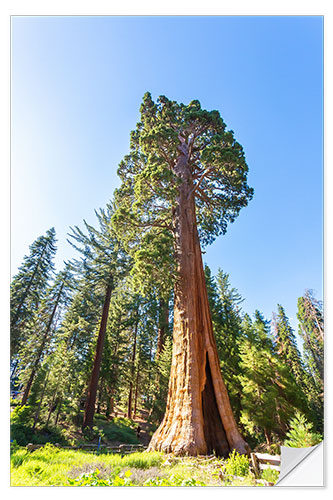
x=120, y=429
x=270, y=475
x=300, y=434
x=21, y=424
x=237, y=465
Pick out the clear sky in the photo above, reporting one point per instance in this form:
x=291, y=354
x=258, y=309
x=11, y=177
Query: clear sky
x=77, y=85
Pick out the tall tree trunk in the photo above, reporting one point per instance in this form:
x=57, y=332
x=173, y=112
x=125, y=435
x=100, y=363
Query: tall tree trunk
x=130, y=394
x=58, y=412
x=92, y=388
x=198, y=417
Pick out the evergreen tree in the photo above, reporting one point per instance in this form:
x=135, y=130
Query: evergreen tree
x=311, y=330
x=289, y=353
x=39, y=331
x=286, y=341
x=269, y=391
x=105, y=261
x=28, y=287
x=78, y=334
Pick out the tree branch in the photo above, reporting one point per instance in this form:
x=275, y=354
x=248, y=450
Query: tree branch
x=204, y=175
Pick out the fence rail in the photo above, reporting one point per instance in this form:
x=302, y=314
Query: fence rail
x=262, y=461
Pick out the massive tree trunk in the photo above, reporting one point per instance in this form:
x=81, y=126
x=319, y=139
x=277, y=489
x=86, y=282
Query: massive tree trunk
x=198, y=418
x=92, y=388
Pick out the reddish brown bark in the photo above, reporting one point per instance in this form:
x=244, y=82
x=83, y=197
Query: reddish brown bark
x=92, y=388
x=130, y=394
x=198, y=417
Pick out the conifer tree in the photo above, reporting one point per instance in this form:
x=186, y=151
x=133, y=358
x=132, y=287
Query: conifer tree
x=40, y=330
x=286, y=341
x=76, y=343
x=289, y=353
x=103, y=257
x=29, y=285
x=311, y=330
x=269, y=391
x=183, y=181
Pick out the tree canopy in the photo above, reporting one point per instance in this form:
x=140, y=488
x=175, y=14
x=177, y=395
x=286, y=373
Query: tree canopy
x=147, y=199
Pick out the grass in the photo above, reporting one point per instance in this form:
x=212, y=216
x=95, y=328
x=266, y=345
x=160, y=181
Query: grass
x=52, y=466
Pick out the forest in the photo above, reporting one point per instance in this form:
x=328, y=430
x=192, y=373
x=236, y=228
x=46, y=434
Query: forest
x=135, y=341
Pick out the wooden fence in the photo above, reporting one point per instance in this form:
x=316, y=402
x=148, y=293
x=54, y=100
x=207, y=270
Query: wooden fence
x=262, y=461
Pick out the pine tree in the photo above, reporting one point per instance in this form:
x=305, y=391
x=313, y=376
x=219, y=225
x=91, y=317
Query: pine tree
x=289, y=353
x=77, y=333
x=29, y=285
x=286, y=341
x=103, y=257
x=269, y=391
x=183, y=181
x=40, y=330
x=311, y=330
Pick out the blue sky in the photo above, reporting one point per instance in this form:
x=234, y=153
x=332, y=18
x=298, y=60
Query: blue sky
x=77, y=84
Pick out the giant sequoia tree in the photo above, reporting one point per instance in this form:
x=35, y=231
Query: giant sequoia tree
x=184, y=179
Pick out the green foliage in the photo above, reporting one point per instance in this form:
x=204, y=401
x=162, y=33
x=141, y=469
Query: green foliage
x=300, y=434
x=270, y=475
x=21, y=429
x=237, y=465
x=28, y=289
x=146, y=202
x=21, y=424
x=173, y=480
x=162, y=367
x=311, y=329
x=94, y=479
x=119, y=430
x=269, y=392
x=286, y=341
x=50, y=465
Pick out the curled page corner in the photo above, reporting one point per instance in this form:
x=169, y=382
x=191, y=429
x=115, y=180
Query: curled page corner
x=302, y=466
